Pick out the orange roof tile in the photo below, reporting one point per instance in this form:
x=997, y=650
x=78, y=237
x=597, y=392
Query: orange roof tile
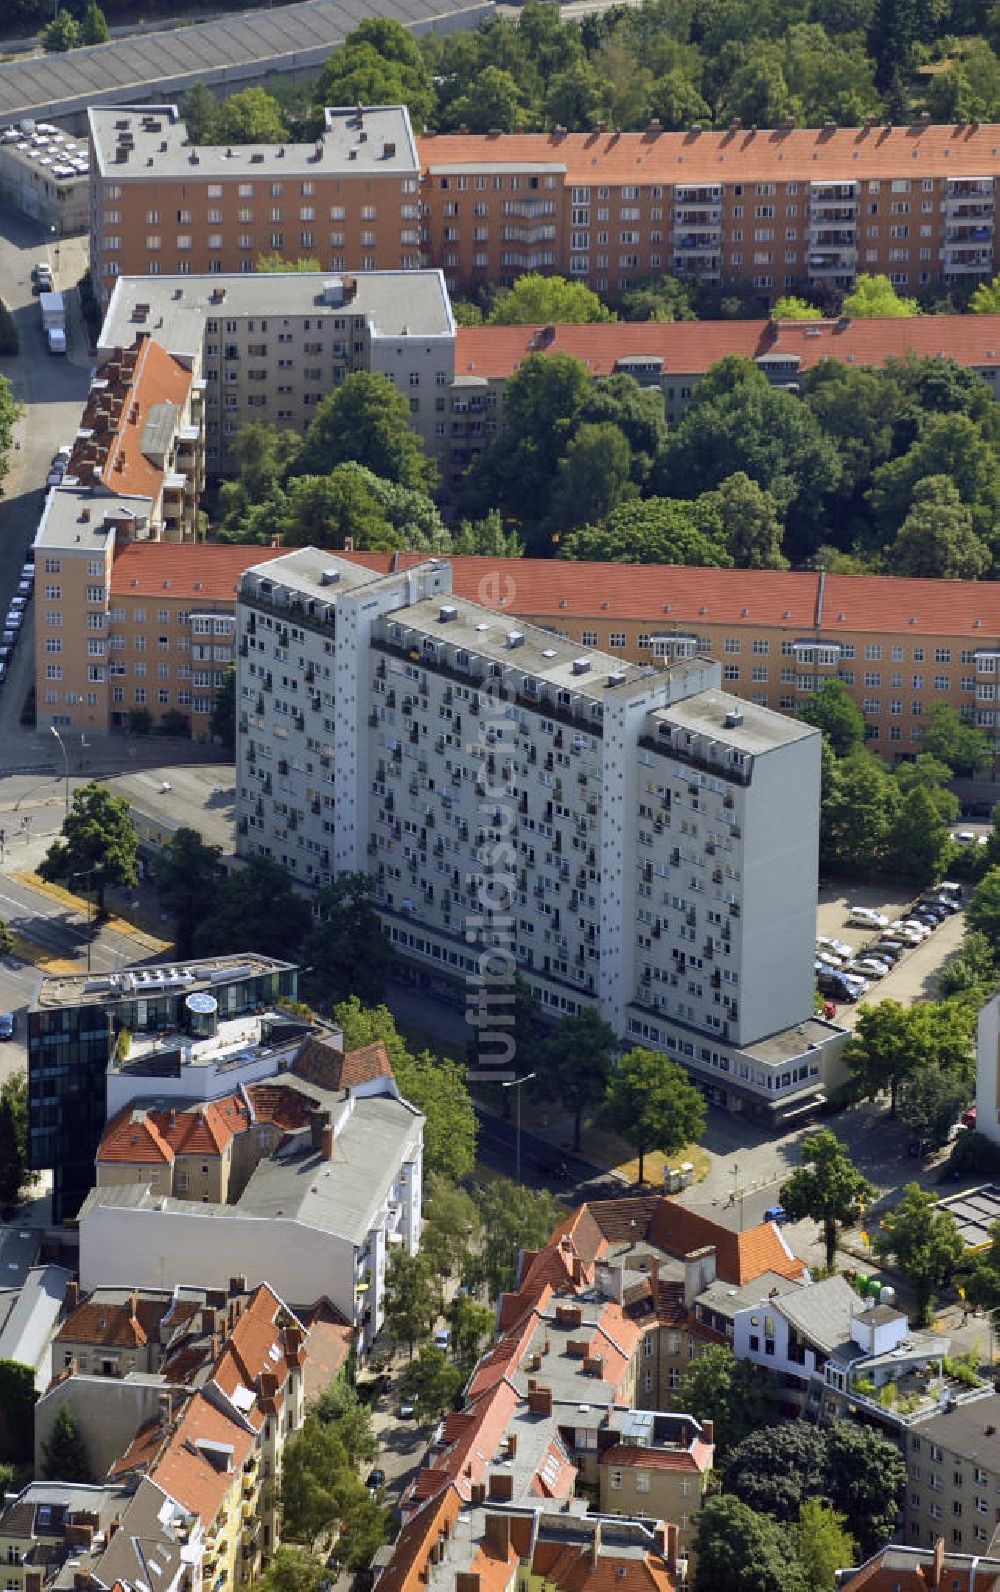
x=425, y=1527
x=134, y=1137
x=186, y=1474
x=740, y=1257
x=208, y=573
x=804, y=154
x=575, y=1568
x=122, y=1326
x=155, y=377
x=329, y=1342
x=322, y=1062
x=287, y=1108
x=258, y=1345
x=690, y=348
x=142, y=1451
x=698, y=1459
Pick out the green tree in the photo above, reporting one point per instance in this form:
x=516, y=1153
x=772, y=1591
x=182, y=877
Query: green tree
x=790, y=308
x=775, y=1469
x=513, y=1218
x=575, y=1062
x=255, y=906
x=487, y=537
x=436, y=1086
x=412, y=1298
x=7, y=941
x=659, y=298
x=472, y=1326
x=928, y=773
x=652, y=1104
x=971, y=973
x=346, y=951
x=186, y=873
x=17, y=1407
x=574, y=97
x=744, y=1552
x=954, y=445
x=64, y=1456
x=451, y=1228
x=859, y=807
x=366, y=419
x=946, y=736
x=15, y=1177
x=827, y=1186
x=833, y=710
x=94, y=25
x=540, y=300
x=986, y=299
x=99, y=840
x=9, y=411
x=875, y=298
x=364, y=1530
x=250, y=117
x=430, y=1383
x=198, y=106
x=918, y=843
x=293, y=1570
x=926, y=1243
x=738, y=422
x=653, y=530
x=931, y=1101
x=340, y=1407
x=379, y=63
x=982, y=914
x=729, y=1392
x=224, y=710
x=319, y=1485
x=594, y=477
x=61, y=34
x=824, y=1543
x=866, y=1475
x=749, y=520
x=494, y=99
x=936, y=541
x=891, y=1042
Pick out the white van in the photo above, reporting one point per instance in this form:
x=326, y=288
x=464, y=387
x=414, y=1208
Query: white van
x=867, y=918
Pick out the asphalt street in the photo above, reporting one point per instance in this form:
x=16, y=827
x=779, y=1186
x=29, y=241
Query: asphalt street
x=51, y=392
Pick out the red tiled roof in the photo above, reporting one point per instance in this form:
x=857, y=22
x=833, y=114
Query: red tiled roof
x=119, y=1326
x=322, y=1062
x=329, y=1342
x=258, y=1346
x=183, y=1471
x=575, y=1568
x=155, y=1137
x=690, y=348
x=803, y=154
x=287, y=1108
x=209, y=572
x=698, y=1458
x=142, y=1451
x=431, y=1523
x=740, y=1257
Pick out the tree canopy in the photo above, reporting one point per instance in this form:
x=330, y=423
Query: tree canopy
x=826, y=1186
x=652, y=1104
x=99, y=844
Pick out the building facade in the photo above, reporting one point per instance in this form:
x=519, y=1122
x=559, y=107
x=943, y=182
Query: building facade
x=161, y=206
x=787, y=208
x=953, y=1477
x=73, y=1027
x=267, y=348
x=662, y=851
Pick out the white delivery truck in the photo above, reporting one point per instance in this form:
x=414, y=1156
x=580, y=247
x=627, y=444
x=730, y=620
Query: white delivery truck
x=54, y=321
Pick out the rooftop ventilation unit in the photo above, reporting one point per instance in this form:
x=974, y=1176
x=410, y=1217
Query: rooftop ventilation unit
x=446, y=613
x=329, y=577
x=581, y=665
x=515, y=638
x=734, y=718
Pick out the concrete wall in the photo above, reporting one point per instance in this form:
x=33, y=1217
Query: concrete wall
x=126, y=1248
x=109, y=1410
x=988, y=1071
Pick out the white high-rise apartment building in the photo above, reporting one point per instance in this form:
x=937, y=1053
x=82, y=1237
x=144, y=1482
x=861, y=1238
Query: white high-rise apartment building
x=627, y=837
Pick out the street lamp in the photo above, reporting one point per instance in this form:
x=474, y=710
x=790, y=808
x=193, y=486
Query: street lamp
x=65, y=754
x=515, y=1084
x=86, y=873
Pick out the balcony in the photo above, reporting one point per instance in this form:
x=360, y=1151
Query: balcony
x=978, y=190
x=828, y=193
x=699, y=219
x=707, y=267
x=697, y=193
x=696, y=243
x=836, y=263
x=971, y=259
x=825, y=238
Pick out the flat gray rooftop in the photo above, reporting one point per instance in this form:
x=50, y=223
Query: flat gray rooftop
x=174, y=309
x=755, y=729
x=208, y=973
x=235, y=50
x=74, y=515
x=301, y=572
x=791, y=1043
x=133, y=142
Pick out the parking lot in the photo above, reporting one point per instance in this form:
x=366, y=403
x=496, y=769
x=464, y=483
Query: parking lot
x=915, y=975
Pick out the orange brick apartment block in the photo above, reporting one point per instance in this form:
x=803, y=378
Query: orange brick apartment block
x=785, y=208
x=161, y=206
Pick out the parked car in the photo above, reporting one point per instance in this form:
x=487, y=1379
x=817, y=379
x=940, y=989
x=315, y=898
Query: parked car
x=968, y=1117
x=442, y=1338
x=776, y=1213
x=949, y=888
x=867, y=967
x=406, y=1411
x=24, y=589
x=892, y=950
x=867, y=918
x=6, y=1025
x=916, y=927
x=946, y=903
x=968, y=837
x=840, y=946
x=9, y=636
x=376, y=1479
x=54, y=478
x=13, y=620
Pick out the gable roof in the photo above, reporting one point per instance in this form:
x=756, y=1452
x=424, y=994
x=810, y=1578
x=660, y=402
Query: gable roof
x=129, y=1324
x=208, y=573
x=701, y=156
x=145, y=1136
x=323, y=1063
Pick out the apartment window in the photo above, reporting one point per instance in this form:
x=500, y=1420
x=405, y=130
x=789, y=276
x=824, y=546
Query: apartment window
x=759, y=674
x=872, y=678
x=615, y=1480
x=617, y=638
x=873, y=652
x=732, y=644
x=918, y=682
x=588, y=638
x=761, y=648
